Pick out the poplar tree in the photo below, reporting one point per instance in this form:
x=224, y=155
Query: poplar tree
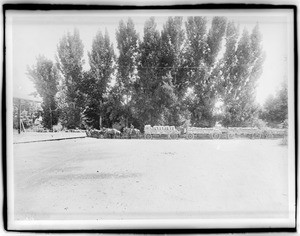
x=147, y=96
x=101, y=61
x=127, y=44
x=241, y=73
x=203, y=49
x=45, y=77
x=70, y=62
x=172, y=70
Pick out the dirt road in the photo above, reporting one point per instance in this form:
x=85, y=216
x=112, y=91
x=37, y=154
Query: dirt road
x=125, y=179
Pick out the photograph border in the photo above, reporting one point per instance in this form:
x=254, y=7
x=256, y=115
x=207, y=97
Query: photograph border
x=131, y=228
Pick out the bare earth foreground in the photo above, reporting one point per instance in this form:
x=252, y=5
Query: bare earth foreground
x=89, y=179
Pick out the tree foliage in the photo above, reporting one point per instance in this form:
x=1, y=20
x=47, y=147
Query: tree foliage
x=148, y=103
x=275, y=109
x=128, y=60
x=96, y=82
x=242, y=66
x=172, y=71
x=45, y=77
x=172, y=76
x=70, y=62
x=203, y=48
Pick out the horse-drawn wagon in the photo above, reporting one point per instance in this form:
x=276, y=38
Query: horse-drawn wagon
x=103, y=133
x=197, y=132
x=276, y=133
x=229, y=133
x=255, y=133
x=248, y=132
x=160, y=131
x=171, y=132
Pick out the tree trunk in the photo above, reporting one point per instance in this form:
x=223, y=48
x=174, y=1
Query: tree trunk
x=100, y=117
x=19, y=116
x=51, y=124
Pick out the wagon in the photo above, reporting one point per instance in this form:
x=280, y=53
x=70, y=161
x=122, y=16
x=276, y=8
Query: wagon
x=248, y=132
x=275, y=133
x=197, y=132
x=160, y=131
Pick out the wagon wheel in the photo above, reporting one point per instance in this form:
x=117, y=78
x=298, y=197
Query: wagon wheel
x=263, y=135
x=174, y=136
x=257, y=135
x=254, y=135
x=231, y=135
x=190, y=136
x=268, y=135
x=148, y=136
x=216, y=135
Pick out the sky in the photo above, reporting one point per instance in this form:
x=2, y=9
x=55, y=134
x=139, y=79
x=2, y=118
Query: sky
x=38, y=33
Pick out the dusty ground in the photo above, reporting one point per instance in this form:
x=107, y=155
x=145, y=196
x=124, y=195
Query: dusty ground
x=102, y=179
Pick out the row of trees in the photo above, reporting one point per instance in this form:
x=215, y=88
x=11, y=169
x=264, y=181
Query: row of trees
x=174, y=76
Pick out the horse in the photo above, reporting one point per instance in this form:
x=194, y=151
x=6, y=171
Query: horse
x=131, y=133
x=112, y=133
x=94, y=133
x=136, y=133
x=126, y=132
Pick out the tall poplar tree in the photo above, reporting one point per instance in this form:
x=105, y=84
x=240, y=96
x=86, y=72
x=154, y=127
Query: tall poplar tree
x=101, y=60
x=240, y=79
x=172, y=70
x=70, y=62
x=45, y=77
x=203, y=49
x=127, y=44
x=147, y=90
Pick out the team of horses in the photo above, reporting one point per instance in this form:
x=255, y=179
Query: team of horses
x=114, y=133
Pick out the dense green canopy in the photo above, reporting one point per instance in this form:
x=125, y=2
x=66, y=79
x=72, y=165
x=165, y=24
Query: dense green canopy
x=170, y=77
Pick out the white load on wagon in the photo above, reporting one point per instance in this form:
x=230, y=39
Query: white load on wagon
x=159, y=131
x=194, y=132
